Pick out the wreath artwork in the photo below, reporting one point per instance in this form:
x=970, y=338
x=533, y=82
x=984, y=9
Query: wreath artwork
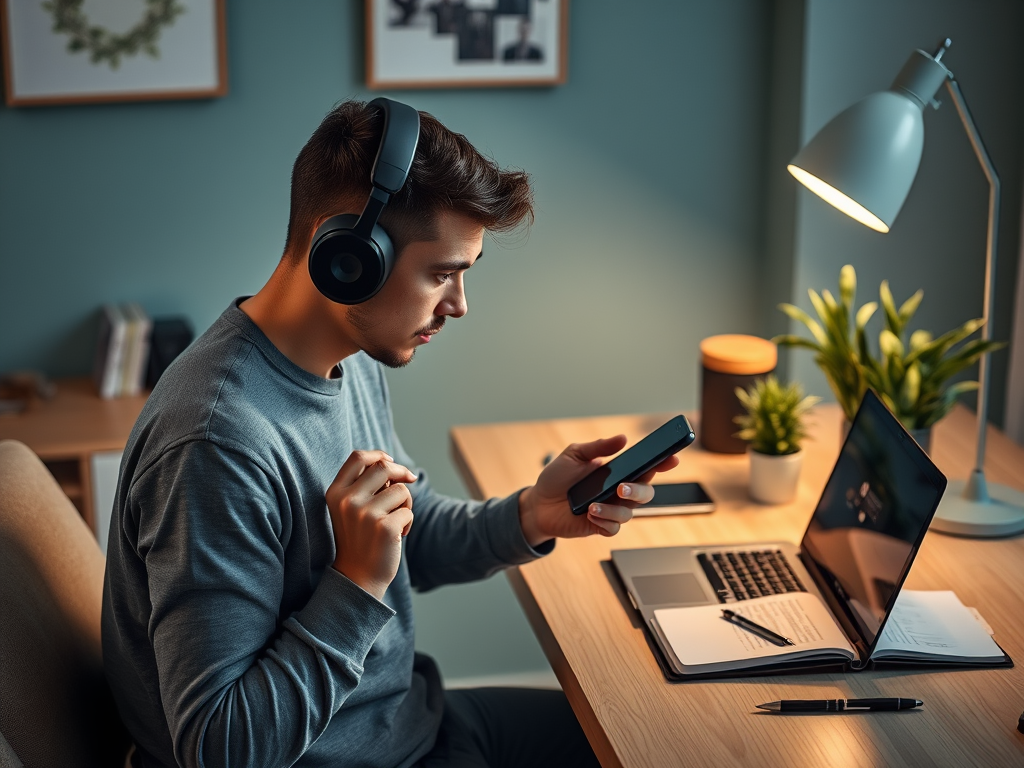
x=101, y=44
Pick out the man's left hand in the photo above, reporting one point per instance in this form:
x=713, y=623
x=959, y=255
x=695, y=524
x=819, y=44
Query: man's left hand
x=544, y=510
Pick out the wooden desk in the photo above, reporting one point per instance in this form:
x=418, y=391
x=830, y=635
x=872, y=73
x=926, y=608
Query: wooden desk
x=66, y=431
x=633, y=717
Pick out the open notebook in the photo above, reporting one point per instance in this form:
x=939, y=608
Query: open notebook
x=930, y=627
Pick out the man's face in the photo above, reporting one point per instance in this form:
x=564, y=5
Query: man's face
x=424, y=289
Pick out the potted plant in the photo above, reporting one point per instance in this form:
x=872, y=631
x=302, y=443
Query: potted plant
x=910, y=375
x=774, y=427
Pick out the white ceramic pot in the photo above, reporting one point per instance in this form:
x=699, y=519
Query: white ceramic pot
x=773, y=479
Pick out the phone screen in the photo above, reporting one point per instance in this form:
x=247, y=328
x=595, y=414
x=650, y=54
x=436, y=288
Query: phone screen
x=666, y=440
x=679, y=495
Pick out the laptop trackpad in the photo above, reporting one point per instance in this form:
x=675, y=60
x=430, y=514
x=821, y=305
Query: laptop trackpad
x=669, y=588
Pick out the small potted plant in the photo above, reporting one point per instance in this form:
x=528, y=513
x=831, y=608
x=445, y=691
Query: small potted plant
x=774, y=427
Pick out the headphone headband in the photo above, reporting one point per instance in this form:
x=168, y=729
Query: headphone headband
x=397, y=146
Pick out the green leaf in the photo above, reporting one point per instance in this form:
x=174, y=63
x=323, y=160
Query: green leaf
x=819, y=306
x=892, y=317
x=839, y=315
x=789, y=340
x=946, y=341
x=847, y=286
x=864, y=314
x=919, y=339
x=832, y=329
x=890, y=343
x=796, y=313
x=965, y=357
x=910, y=390
x=909, y=307
x=888, y=401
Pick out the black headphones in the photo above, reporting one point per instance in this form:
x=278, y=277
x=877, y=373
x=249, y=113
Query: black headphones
x=352, y=256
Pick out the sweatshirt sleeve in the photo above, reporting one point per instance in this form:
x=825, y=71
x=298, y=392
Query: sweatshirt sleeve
x=237, y=687
x=455, y=540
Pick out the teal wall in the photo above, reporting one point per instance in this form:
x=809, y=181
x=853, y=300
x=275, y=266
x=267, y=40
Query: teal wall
x=648, y=168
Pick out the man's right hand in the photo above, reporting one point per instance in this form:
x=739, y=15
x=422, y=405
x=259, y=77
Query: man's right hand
x=371, y=510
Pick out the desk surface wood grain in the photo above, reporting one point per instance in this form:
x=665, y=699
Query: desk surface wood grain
x=634, y=717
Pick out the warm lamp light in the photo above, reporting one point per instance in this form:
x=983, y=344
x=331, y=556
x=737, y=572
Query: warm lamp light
x=864, y=162
x=847, y=205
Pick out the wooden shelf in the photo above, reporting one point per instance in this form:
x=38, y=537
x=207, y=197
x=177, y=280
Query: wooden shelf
x=66, y=431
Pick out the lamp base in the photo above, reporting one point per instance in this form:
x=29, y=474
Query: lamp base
x=979, y=510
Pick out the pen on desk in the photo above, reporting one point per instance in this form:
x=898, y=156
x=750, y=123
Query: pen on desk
x=742, y=621
x=841, y=705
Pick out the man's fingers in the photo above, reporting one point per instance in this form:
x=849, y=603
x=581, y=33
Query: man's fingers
x=390, y=499
x=614, y=513
x=635, y=493
x=356, y=464
x=595, y=449
x=401, y=520
x=602, y=517
x=378, y=476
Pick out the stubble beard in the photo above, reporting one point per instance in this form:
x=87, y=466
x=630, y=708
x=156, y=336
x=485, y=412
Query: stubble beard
x=388, y=357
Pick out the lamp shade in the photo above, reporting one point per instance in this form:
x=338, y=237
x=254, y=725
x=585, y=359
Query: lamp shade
x=865, y=159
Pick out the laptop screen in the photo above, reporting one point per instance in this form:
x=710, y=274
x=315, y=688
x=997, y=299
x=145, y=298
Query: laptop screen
x=872, y=516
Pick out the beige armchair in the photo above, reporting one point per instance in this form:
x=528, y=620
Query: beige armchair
x=55, y=707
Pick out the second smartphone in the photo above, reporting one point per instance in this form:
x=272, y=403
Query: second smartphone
x=601, y=484
x=677, y=499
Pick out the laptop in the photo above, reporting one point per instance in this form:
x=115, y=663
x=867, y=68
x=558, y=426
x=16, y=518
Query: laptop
x=855, y=554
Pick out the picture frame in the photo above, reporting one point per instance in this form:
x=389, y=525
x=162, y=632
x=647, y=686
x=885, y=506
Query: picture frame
x=466, y=43
x=61, y=52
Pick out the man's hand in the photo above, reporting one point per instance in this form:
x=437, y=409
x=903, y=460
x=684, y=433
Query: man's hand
x=544, y=511
x=371, y=510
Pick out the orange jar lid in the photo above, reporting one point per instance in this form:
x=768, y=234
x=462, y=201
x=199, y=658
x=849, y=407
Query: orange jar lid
x=738, y=354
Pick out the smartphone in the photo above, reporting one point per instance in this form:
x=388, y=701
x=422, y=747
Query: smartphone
x=677, y=499
x=600, y=485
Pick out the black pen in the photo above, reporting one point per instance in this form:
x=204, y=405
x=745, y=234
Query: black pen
x=841, y=705
x=757, y=629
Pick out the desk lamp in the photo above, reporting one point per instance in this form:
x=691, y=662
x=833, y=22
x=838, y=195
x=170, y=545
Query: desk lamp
x=864, y=162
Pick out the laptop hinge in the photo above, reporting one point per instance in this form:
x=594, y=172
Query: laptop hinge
x=838, y=611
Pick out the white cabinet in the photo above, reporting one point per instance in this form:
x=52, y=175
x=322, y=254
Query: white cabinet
x=104, y=469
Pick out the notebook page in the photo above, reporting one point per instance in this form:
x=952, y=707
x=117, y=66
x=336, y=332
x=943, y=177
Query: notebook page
x=700, y=636
x=934, y=624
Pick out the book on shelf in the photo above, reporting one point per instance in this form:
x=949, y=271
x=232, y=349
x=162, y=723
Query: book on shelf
x=924, y=628
x=122, y=350
x=109, y=351
x=139, y=329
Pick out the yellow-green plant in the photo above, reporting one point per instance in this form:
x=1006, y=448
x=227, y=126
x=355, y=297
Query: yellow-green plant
x=774, y=421
x=909, y=375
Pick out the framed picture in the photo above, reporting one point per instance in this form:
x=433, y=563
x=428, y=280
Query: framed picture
x=70, y=51
x=465, y=43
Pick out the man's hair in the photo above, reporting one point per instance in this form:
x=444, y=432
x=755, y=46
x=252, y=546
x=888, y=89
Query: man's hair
x=332, y=174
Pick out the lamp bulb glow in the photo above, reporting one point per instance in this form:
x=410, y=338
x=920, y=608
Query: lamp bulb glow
x=833, y=196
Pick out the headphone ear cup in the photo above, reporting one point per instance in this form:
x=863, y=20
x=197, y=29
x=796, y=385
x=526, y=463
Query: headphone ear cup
x=345, y=267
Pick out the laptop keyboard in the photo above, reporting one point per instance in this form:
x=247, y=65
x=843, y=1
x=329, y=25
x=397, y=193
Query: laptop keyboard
x=743, y=575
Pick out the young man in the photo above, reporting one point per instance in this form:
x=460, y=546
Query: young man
x=268, y=531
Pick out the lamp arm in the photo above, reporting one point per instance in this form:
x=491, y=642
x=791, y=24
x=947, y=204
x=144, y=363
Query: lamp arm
x=977, y=481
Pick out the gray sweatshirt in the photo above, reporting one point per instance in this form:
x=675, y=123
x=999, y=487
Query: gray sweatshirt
x=228, y=639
